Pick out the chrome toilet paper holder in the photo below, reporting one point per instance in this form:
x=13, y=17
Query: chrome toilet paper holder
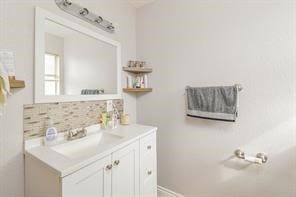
x=260, y=158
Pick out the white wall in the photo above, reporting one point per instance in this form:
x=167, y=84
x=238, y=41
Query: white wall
x=17, y=34
x=222, y=42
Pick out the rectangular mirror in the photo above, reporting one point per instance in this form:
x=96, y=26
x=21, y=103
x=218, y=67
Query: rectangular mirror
x=73, y=63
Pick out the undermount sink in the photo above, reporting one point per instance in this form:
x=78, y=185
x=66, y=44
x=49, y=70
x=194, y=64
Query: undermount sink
x=85, y=146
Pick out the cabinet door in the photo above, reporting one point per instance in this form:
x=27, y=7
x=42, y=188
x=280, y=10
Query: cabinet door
x=148, y=166
x=91, y=181
x=125, y=171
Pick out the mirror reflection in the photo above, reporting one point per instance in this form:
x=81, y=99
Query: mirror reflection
x=77, y=64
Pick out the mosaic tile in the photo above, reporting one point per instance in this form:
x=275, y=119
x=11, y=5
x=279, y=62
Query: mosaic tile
x=63, y=115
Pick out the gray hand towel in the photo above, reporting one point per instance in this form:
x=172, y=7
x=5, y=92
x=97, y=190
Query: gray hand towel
x=92, y=91
x=217, y=103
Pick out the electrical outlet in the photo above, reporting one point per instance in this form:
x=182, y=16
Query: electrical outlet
x=109, y=105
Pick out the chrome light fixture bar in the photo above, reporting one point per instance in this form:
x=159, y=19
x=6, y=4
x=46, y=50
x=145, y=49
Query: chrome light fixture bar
x=85, y=14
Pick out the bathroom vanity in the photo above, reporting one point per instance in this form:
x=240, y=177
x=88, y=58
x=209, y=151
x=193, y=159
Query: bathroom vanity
x=76, y=71
x=105, y=163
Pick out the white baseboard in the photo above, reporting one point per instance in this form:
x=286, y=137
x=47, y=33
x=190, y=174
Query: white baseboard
x=164, y=192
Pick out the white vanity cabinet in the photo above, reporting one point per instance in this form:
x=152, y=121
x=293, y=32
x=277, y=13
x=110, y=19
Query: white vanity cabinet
x=126, y=171
x=148, y=172
x=116, y=175
x=91, y=181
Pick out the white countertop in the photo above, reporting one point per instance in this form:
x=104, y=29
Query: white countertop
x=63, y=166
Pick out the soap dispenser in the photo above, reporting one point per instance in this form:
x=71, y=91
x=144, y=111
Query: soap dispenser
x=51, y=134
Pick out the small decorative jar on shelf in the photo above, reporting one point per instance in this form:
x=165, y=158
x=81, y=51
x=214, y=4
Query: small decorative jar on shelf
x=125, y=119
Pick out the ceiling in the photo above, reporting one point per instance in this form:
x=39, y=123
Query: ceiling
x=139, y=3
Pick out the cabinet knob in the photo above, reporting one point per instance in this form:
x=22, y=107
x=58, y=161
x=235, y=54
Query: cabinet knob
x=109, y=167
x=149, y=147
x=149, y=172
x=116, y=163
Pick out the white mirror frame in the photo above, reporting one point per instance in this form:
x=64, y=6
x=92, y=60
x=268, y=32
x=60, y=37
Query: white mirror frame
x=40, y=17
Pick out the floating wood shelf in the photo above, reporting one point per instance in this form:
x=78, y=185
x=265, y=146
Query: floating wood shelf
x=137, y=70
x=136, y=90
x=16, y=83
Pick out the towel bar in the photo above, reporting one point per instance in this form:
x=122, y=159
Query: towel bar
x=260, y=158
x=239, y=87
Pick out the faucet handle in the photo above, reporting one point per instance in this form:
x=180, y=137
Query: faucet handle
x=84, y=131
x=70, y=133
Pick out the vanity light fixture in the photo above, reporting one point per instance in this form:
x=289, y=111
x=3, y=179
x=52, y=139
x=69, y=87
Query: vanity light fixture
x=84, y=14
x=111, y=27
x=67, y=3
x=99, y=19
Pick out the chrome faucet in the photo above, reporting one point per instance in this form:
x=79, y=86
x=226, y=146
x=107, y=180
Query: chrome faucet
x=76, y=133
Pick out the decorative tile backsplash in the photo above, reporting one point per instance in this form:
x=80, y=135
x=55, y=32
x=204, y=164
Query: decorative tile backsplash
x=63, y=115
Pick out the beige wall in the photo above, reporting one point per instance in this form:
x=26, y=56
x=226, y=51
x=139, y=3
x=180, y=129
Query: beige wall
x=222, y=42
x=17, y=34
